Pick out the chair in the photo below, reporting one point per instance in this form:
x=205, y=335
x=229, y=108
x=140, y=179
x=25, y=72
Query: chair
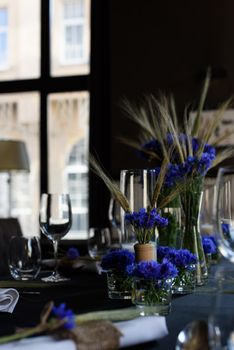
x=9, y=227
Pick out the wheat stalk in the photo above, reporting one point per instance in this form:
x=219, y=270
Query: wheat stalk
x=110, y=183
x=201, y=103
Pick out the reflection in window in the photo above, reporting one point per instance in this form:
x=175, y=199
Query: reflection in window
x=3, y=37
x=68, y=148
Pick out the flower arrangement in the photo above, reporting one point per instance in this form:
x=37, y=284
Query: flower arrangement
x=189, y=148
x=118, y=260
x=209, y=245
x=119, y=282
x=210, y=249
x=152, y=286
x=144, y=223
x=190, y=145
x=185, y=263
x=152, y=270
x=147, y=219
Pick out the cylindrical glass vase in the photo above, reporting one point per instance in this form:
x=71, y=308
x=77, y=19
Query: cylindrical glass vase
x=185, y=281
x=153, y=297
x=191, y=237
x=171, y=234
x=138, y=186
x=119, y=285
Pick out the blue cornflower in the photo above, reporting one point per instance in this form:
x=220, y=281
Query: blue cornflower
x=153, y=146
x=181, y=258
x=225, y=228
x=162, y=252
x=208, y=245
x=154, y=270
x=146, y=220
x=72, y=253
x=65, y=314
x=118, y=260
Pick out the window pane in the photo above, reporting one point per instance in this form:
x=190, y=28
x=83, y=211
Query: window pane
x=70, y=37
x=19, y=120
x=20, y=39
x=68, y=131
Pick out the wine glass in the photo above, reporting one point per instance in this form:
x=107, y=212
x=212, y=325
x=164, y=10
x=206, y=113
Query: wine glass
x=55, y=222
x=99, y=244
x=114, y=214
x=223, y=217
x=223, y=212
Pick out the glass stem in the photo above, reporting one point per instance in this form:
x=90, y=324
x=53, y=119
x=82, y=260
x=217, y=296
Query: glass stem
x=55, y=245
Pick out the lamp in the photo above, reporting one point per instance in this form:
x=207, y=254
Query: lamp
x=13, y=156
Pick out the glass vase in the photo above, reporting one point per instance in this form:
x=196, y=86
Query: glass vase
x=119, y=285
x=153, y=297
x=191, y=238
x=170, y=235
x=185, y=281
x=138, y=186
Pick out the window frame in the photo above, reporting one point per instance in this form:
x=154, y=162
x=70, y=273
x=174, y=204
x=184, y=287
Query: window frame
x=97, y=83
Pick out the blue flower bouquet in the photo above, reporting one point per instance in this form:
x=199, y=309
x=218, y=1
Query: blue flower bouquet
x=185, y=263
x=152, y=286
x=119, y=283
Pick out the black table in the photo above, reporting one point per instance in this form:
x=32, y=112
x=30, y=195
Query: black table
x=87, y=292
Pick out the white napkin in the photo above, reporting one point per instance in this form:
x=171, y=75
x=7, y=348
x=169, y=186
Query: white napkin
x=141, y=330
x=8, y=299
x=137, y=331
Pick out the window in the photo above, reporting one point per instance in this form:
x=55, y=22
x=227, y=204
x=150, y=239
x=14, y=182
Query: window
x=73, y=32
x=68, y=130
x=70, y=34
x=55, y=123
x=47, y=93
x=19, y=120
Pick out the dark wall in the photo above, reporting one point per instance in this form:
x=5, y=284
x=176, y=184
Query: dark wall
x=167, y=45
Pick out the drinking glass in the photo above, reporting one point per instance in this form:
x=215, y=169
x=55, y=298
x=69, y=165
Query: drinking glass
x=99, y=242
x=55, y=222
x=222, y=318
x=114, y=212
x=24, y=259
x=138, y=186
x=223, y=212
x=208, y=194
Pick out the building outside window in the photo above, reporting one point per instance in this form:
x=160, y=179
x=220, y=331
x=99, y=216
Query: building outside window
x=70, y=37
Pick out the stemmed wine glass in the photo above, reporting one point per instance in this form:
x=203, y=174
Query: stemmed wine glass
x=55, y=222
x=221, y=321
x=223, y=212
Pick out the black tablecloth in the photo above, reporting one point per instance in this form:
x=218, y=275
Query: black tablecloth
x=87, y=292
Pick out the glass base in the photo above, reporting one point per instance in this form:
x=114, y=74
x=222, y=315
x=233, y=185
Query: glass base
x=119, y=295
x=182, y=289
x=54, y=278
x=154, y=310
